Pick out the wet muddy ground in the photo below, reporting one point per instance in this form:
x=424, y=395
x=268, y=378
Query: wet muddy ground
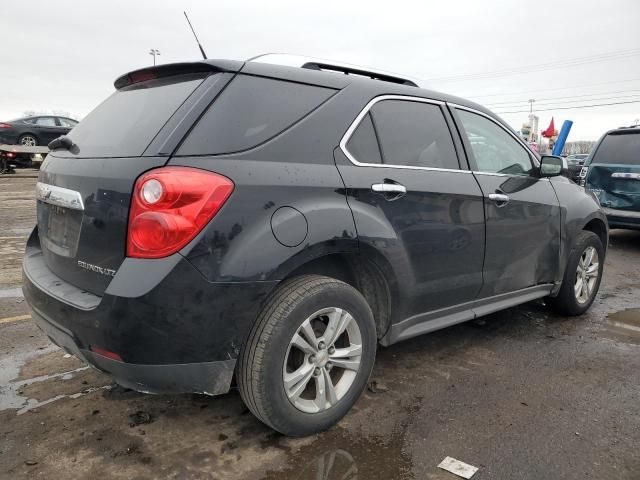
x=524, y=395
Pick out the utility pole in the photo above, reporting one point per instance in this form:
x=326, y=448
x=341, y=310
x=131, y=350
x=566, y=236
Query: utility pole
x=531, y=102
x=154, y=52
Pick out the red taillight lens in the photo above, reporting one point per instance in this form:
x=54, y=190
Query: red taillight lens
x=5, y=125
x=170, y=206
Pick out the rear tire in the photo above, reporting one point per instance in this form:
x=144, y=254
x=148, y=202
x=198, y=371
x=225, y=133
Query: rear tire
x=301, y=312
x=582, y=276
x=28, y=140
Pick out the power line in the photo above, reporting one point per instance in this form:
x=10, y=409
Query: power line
x=573, y=108
x=541, y=66
x=551, y=89
x=553, y=100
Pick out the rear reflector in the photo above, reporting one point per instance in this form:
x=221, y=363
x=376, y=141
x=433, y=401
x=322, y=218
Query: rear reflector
x=170, y=206
x=106, y=353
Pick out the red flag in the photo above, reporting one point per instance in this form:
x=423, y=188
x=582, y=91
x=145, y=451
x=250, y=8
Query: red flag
x=550, y=131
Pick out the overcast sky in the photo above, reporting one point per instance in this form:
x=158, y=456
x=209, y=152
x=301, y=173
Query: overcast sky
x=65, y=55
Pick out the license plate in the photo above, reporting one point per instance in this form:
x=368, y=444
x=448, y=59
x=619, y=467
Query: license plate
x=61, y=230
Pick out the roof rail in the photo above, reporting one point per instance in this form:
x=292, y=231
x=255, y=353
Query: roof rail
x=331, y=66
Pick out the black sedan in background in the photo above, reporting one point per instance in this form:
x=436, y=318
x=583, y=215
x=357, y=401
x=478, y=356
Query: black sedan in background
x=32, y=131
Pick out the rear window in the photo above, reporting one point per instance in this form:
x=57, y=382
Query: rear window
x=250, y=111
x=619, y=149
x=126, y=122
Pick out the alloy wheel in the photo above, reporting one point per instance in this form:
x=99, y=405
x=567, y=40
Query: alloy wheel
x=28, y=141
x=322, y=360
x=586, y=275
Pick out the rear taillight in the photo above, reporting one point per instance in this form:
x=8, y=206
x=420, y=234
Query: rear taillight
x=170, y=206
x=5, y=125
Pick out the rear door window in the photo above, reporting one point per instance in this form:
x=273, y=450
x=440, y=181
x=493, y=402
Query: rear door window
x=363, y=144
x=126, y=122
x=413, y=134
x=250, y=111
x=46, y=122
x=66, y=122
x=620, y=149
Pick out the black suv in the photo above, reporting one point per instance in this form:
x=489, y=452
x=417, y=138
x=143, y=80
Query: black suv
x=272, y=224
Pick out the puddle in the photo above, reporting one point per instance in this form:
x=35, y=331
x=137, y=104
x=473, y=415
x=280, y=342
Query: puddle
x=624, y=326
x=10, y=388
x=338, y=455
x=10, y=366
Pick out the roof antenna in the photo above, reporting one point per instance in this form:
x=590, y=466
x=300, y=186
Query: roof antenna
x=204, y=55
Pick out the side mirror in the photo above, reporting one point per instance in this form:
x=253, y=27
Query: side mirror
x=552, y=166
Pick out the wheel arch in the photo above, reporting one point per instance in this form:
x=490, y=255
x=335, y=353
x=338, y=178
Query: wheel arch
x=599, y=227
x=34, y=135
x=373, y=279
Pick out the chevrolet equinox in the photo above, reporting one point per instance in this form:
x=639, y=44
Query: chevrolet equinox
x=270, y=225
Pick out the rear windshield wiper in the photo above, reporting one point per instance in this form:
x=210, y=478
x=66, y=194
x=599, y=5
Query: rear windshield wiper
x=61, y=142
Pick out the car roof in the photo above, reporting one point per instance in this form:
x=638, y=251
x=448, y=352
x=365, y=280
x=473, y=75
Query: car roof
x=339, y=80
x=312, y=76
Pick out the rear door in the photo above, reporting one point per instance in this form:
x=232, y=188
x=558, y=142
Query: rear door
x=614, y=171
x=48, y=129
x=413, y=203
x=522, y=211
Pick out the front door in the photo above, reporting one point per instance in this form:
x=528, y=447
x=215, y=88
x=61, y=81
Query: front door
x=413, y=204
x=522, y=210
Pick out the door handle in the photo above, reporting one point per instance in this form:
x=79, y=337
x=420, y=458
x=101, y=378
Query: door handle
x=500, y=199
x=388, y=188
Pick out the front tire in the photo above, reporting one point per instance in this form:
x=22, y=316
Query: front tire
x=582, y=276
x=308, y=356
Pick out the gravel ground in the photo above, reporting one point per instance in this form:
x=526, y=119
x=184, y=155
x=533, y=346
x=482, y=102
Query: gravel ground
x=526, y=394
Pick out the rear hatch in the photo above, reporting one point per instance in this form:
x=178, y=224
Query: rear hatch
x=84, y=193
x=614, y=170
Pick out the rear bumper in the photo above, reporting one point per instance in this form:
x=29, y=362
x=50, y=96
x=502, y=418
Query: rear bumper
x=622, y=218
x=183, y=334
x=212, y=378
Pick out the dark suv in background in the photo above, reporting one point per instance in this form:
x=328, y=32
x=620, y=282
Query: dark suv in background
x=612, y=173
x=274, y=224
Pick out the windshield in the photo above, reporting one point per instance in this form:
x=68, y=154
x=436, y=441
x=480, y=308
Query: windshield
x=619, y=148
x=126, y=122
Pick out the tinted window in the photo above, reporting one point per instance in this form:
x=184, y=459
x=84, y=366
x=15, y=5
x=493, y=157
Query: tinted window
x=46, y=121
x=126, y=122
x=413, y=134
x=67, y=122
x=620, y=149
x=494, y=150
x=250, y=111
x=363, y=145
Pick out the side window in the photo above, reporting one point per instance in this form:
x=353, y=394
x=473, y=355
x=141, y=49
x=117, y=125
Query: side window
x=250, y=111
x=363, y=144
x=494, y=150
x=67, y=122
x=46, y=121
x=413, y=134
